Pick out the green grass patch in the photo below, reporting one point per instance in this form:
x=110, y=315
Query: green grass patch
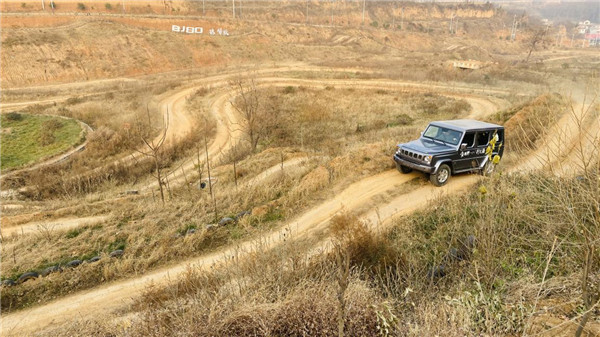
x=29, y=138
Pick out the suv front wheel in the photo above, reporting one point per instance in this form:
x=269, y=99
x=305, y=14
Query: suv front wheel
x=442, y=175
x=404, y=169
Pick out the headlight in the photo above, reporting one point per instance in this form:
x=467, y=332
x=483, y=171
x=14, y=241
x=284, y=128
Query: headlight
x=427, y=159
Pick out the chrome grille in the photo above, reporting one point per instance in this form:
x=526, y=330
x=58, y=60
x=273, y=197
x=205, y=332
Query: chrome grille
x=411, y=154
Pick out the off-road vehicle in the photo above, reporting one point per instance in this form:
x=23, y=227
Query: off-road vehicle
x=450, y=147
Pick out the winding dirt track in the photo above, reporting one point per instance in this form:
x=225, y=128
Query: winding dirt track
x=364, y=194
x=228, y=134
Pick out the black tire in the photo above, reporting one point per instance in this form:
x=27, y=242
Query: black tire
x=73, y=263
x=442, y=176
x=116, y=253
x=28, y=276
x=405, y=169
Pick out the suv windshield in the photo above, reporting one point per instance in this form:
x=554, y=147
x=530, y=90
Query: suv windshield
x=445, y=135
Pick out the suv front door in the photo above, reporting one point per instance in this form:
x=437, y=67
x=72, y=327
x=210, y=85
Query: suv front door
x=466, y=153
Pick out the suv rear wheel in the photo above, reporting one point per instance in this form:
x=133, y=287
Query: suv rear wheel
x=442, y=176
x=488, y=168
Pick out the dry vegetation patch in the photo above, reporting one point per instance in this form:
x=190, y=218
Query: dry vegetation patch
x=334, y=120
x=519, y=259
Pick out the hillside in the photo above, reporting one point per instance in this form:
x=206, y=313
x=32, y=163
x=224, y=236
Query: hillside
x=241, y=183
x=82, y=48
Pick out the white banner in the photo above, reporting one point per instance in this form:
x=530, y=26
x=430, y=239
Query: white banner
x=198, y=30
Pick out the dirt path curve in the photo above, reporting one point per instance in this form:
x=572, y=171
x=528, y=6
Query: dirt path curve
x=85, y=128
x=298, y=164
x=54, y=225
x=228, y=134
x=572, y=141
x=106, y=298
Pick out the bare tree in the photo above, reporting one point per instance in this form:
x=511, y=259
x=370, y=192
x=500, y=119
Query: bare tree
x=154, y=149
x=248, y=105
x=537, y=38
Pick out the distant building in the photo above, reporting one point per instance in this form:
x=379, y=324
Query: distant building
x=590, y=33
x=593, y=38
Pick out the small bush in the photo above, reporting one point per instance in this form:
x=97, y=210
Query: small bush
x=289, y=90
x=35, y=109
x=73, y=233
x=375, y=24
x=81, y=6
x=52, y=125
x=14, y=116
x=401, y=119
x=108, y=6
x=74, y=100
x=46, y=137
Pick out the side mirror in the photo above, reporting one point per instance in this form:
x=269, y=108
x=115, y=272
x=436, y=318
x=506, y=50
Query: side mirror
x=463, y=146
x=421, y=133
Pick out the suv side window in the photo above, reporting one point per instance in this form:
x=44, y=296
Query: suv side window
x=483, y=137
x=469, y=139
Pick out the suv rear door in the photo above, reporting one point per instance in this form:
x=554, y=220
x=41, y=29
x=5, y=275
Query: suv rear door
x=472, y=157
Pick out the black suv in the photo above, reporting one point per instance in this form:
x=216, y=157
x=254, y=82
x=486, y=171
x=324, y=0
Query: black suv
x=450, y=147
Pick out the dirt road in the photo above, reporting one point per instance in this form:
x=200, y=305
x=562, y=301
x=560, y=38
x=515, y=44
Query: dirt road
x=365, y=194
x=361, y=194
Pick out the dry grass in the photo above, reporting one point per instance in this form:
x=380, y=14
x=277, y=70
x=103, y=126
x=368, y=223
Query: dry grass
x=528, y=123
x=281, y=199
x=517, y=224
x=274, y=201
x=332, y=120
